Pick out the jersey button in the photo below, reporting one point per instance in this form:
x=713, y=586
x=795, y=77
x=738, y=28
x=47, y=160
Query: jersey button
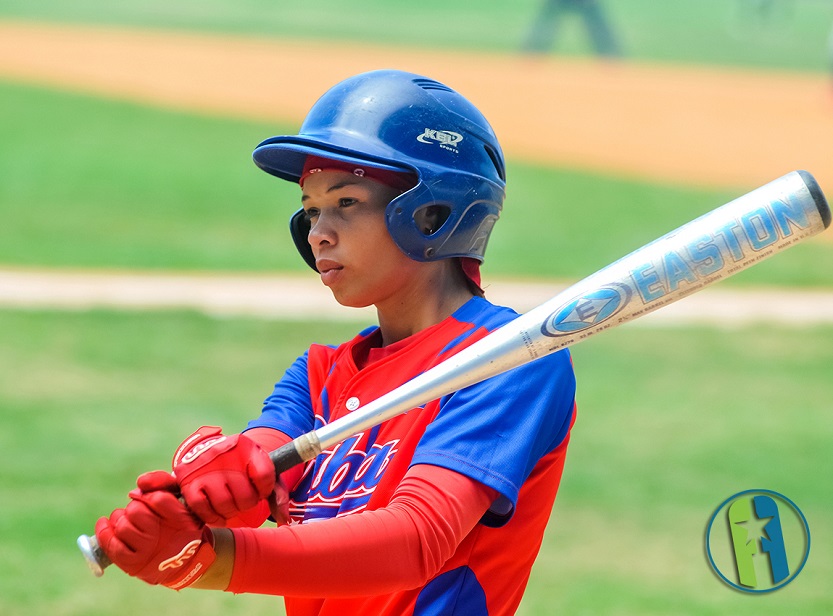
x=352, y=403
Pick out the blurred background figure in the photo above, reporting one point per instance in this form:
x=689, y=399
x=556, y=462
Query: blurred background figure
x=544, y=30
x=763, y=11
x=750, y=16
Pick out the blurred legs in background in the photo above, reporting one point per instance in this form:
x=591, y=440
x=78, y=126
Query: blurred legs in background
x=544, y=30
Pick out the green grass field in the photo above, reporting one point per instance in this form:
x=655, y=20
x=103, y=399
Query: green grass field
x=92, y=183
x=671, y=422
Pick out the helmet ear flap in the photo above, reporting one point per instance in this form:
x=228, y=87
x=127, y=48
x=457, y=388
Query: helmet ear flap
x=299, y=228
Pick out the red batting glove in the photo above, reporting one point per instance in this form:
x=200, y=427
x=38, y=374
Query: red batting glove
x=161, y=480
x=156, y=539
x=225, y=479
x=155, y=481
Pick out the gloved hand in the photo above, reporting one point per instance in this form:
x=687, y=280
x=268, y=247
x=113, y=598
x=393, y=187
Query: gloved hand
x=156, y=538
x=155, y=481
x=224, y=479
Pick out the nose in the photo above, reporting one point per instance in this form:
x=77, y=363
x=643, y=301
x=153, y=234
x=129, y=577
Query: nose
x=322, y=230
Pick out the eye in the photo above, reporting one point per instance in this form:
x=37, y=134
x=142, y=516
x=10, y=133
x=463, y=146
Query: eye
x=310, y=214
x=347, y=201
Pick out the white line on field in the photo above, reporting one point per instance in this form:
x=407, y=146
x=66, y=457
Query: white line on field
x=287, y=296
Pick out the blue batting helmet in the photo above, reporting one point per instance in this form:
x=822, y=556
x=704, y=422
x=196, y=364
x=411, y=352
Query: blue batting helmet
x=398, y=121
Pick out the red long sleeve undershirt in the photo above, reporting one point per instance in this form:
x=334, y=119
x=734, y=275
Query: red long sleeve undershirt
x=271, y=440
x=398, y=547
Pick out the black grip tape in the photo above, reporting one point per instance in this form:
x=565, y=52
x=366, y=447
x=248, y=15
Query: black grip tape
x=285, y=457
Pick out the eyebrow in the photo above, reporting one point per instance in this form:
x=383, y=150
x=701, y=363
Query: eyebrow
x=338, y=186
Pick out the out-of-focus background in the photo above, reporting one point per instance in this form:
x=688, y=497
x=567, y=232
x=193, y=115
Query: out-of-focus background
x=125, y=138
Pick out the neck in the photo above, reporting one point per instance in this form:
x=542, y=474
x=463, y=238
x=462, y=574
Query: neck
x=423, y=304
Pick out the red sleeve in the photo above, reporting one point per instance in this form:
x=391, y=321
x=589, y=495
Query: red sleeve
x=401, y=546
x=271, y=439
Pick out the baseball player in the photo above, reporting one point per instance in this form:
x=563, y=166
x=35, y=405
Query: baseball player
x=440, y=510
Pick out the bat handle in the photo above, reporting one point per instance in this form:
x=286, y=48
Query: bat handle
x=302, y=449
x=96, y=559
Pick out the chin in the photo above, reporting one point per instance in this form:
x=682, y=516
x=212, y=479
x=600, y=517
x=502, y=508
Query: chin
x=350, y=301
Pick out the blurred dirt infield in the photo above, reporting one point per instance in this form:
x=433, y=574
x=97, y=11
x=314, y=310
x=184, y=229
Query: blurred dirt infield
x=693, y=126
x=283, y=296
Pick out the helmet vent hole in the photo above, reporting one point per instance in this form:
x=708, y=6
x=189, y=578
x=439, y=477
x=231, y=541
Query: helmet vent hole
x=430, y=84
x=496, y=161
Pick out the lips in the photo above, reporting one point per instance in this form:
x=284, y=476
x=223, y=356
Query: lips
x=326, y=265
x=328, y=269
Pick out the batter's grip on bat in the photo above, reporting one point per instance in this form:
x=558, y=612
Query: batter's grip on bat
x=304, y=448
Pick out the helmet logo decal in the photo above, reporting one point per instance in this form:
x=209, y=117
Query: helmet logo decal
x=446, y=139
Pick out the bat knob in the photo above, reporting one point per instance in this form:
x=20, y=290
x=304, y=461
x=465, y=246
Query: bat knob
x=96, y=559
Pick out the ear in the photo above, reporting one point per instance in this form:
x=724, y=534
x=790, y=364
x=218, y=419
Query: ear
x=430, y=218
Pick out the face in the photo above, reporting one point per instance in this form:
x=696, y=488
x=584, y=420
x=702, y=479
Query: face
x=354, y=252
